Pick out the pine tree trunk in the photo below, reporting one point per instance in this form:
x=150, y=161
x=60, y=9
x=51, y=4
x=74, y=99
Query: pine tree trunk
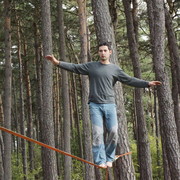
x=157, y=126
x=1, y=157
x=168, y=125
x=144, y=155
x=175, y=68
x=123, y=168
x=1, y=141
x=173, y=44
x=166, y=170
x=65, y=95
x=48, y=156
x=77, y=114
x=29, y=115
x=56, y=107
x=38, y=85
x=22, y=113
x=38, y=64
x=85, y=90
x=7, y=93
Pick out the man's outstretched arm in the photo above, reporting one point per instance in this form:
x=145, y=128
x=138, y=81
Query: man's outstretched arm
x=75, y=68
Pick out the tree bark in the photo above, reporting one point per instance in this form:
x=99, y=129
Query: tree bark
x=65, y=95
x=144, y=155
x=7, y=93
x=48, y=156
x=85, y=90
x=173, y=45
x=29, y=114
x=22, y=113
x=1, y=141
x=157, y=132
x=123, y=168
x=38, y=63
x=168, y=125
x=56, y=107
x=175, y=68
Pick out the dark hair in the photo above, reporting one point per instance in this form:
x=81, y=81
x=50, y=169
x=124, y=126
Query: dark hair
x=108, y=44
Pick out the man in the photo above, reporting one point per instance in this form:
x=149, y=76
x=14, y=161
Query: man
x=103, y=75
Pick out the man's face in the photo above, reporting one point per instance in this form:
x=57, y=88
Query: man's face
x=104, y=53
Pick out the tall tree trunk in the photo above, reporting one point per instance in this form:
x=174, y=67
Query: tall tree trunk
x=144, y=155
x=166, y=170
x=22, y=113
x=175, y=68
x=77, y=114
x=56, y=107
x=1, y=141
x=29, y=109
x=157, y=126
x=168, y=125
x=1, y=157
x=113, y=12
x=7, y=92
x=48, y=156
x=65, y=95
x=173, y=45
x=85, y=90
x=16, y=120
x=38, y=63
x=29, y=115
x=123, y=167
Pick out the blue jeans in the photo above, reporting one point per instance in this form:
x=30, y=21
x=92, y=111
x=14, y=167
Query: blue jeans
x=104, y=115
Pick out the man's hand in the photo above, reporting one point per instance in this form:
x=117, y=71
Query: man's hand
x=52, y=59
x=154, y=83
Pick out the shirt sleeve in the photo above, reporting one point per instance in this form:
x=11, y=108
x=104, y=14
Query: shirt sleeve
x=75, y=68
x=131, y=81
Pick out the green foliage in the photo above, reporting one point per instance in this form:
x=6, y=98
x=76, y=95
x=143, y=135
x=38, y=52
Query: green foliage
x=17, y=166
x=157, y=169
x=77, y=169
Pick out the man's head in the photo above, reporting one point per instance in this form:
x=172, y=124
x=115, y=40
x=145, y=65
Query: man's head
x=104, y=51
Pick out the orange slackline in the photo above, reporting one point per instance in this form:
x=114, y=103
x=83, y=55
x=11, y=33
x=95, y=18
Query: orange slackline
x=55, y=149
x=45, y=145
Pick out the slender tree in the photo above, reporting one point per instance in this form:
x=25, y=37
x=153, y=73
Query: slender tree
x=167, y=120
x=144, y=155
x=1, y=141
x=85, y=89
x=29, y=112
x=175, y=66
x=56, y=107
x=7, y=92
x=21, y=95
x=65, y=95
x=157, y=132
x=38, y=63
x=47, y=134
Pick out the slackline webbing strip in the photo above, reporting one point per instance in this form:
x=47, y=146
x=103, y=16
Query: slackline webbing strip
x=45, y=145
x=52, y=148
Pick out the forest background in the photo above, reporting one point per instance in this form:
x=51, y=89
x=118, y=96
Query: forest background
x=50, y=105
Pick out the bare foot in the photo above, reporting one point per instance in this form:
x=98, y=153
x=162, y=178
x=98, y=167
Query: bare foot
x=109, y=164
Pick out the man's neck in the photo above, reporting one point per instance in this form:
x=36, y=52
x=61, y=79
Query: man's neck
x=105, y=62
